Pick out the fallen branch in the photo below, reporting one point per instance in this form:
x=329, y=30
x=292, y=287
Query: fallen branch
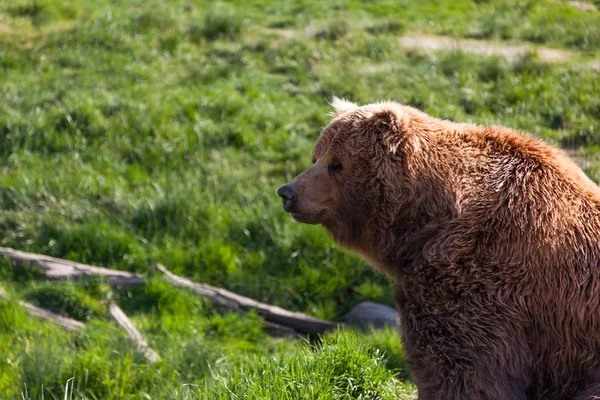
x=56, y=268
x=278, y=321
x=278, y=330
x=120, y=317
x=67, y=323
x=224, y=298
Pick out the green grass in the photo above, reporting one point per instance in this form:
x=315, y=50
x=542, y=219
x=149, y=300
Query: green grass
x=218, y=356
x=159, y=131
x=342, y=367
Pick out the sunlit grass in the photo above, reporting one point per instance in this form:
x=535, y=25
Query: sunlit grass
x=159, y=132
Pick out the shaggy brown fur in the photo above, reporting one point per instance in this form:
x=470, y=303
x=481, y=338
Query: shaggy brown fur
x=491, y=237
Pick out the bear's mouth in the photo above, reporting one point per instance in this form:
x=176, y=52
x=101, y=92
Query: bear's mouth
x=307, y=218
x=288, y=206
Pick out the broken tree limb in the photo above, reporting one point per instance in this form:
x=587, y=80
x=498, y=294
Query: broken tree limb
x=67, y=323
x=120, y=317
x=278, y=321
x=278, y=330
x=59, y=269
x=298, y=321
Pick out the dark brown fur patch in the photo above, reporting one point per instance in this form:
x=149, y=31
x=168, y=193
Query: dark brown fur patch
x=492, y=238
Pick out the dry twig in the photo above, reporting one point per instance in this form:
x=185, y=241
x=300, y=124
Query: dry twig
x=121, y=318
x=67, y=323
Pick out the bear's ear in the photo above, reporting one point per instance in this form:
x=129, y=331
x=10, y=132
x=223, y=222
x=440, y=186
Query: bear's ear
x=394, y=129
x=386, y=121
x=341, y=106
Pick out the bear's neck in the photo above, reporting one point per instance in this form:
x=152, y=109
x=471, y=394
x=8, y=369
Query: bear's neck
x=401, y=240
x=425, y=196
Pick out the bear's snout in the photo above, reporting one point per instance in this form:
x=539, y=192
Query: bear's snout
x=287, y=195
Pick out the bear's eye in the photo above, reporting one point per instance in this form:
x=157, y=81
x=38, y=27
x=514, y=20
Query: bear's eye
x=335, y=167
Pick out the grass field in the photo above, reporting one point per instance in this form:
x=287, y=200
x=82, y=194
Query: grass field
x=158, y=131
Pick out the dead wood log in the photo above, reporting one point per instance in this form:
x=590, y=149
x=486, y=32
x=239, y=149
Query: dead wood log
x=121, y=318
x=59, y=269
x=298, y=321
x=277, y=330
x=67, y=323
x=278, y=321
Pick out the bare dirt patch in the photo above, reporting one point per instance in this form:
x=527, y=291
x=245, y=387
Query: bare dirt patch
x=582, y=5
x=485, y=47
x=511, y=51
x=375, y=68
x=595, y=64
x=285, y=33
x=4, y=26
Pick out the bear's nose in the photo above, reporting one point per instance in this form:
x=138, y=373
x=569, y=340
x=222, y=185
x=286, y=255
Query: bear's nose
x=286, y=193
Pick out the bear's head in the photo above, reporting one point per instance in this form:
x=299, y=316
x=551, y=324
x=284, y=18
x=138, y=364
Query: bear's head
x=357, y=161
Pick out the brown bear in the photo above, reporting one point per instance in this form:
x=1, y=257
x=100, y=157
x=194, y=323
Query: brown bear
x=491, y=237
